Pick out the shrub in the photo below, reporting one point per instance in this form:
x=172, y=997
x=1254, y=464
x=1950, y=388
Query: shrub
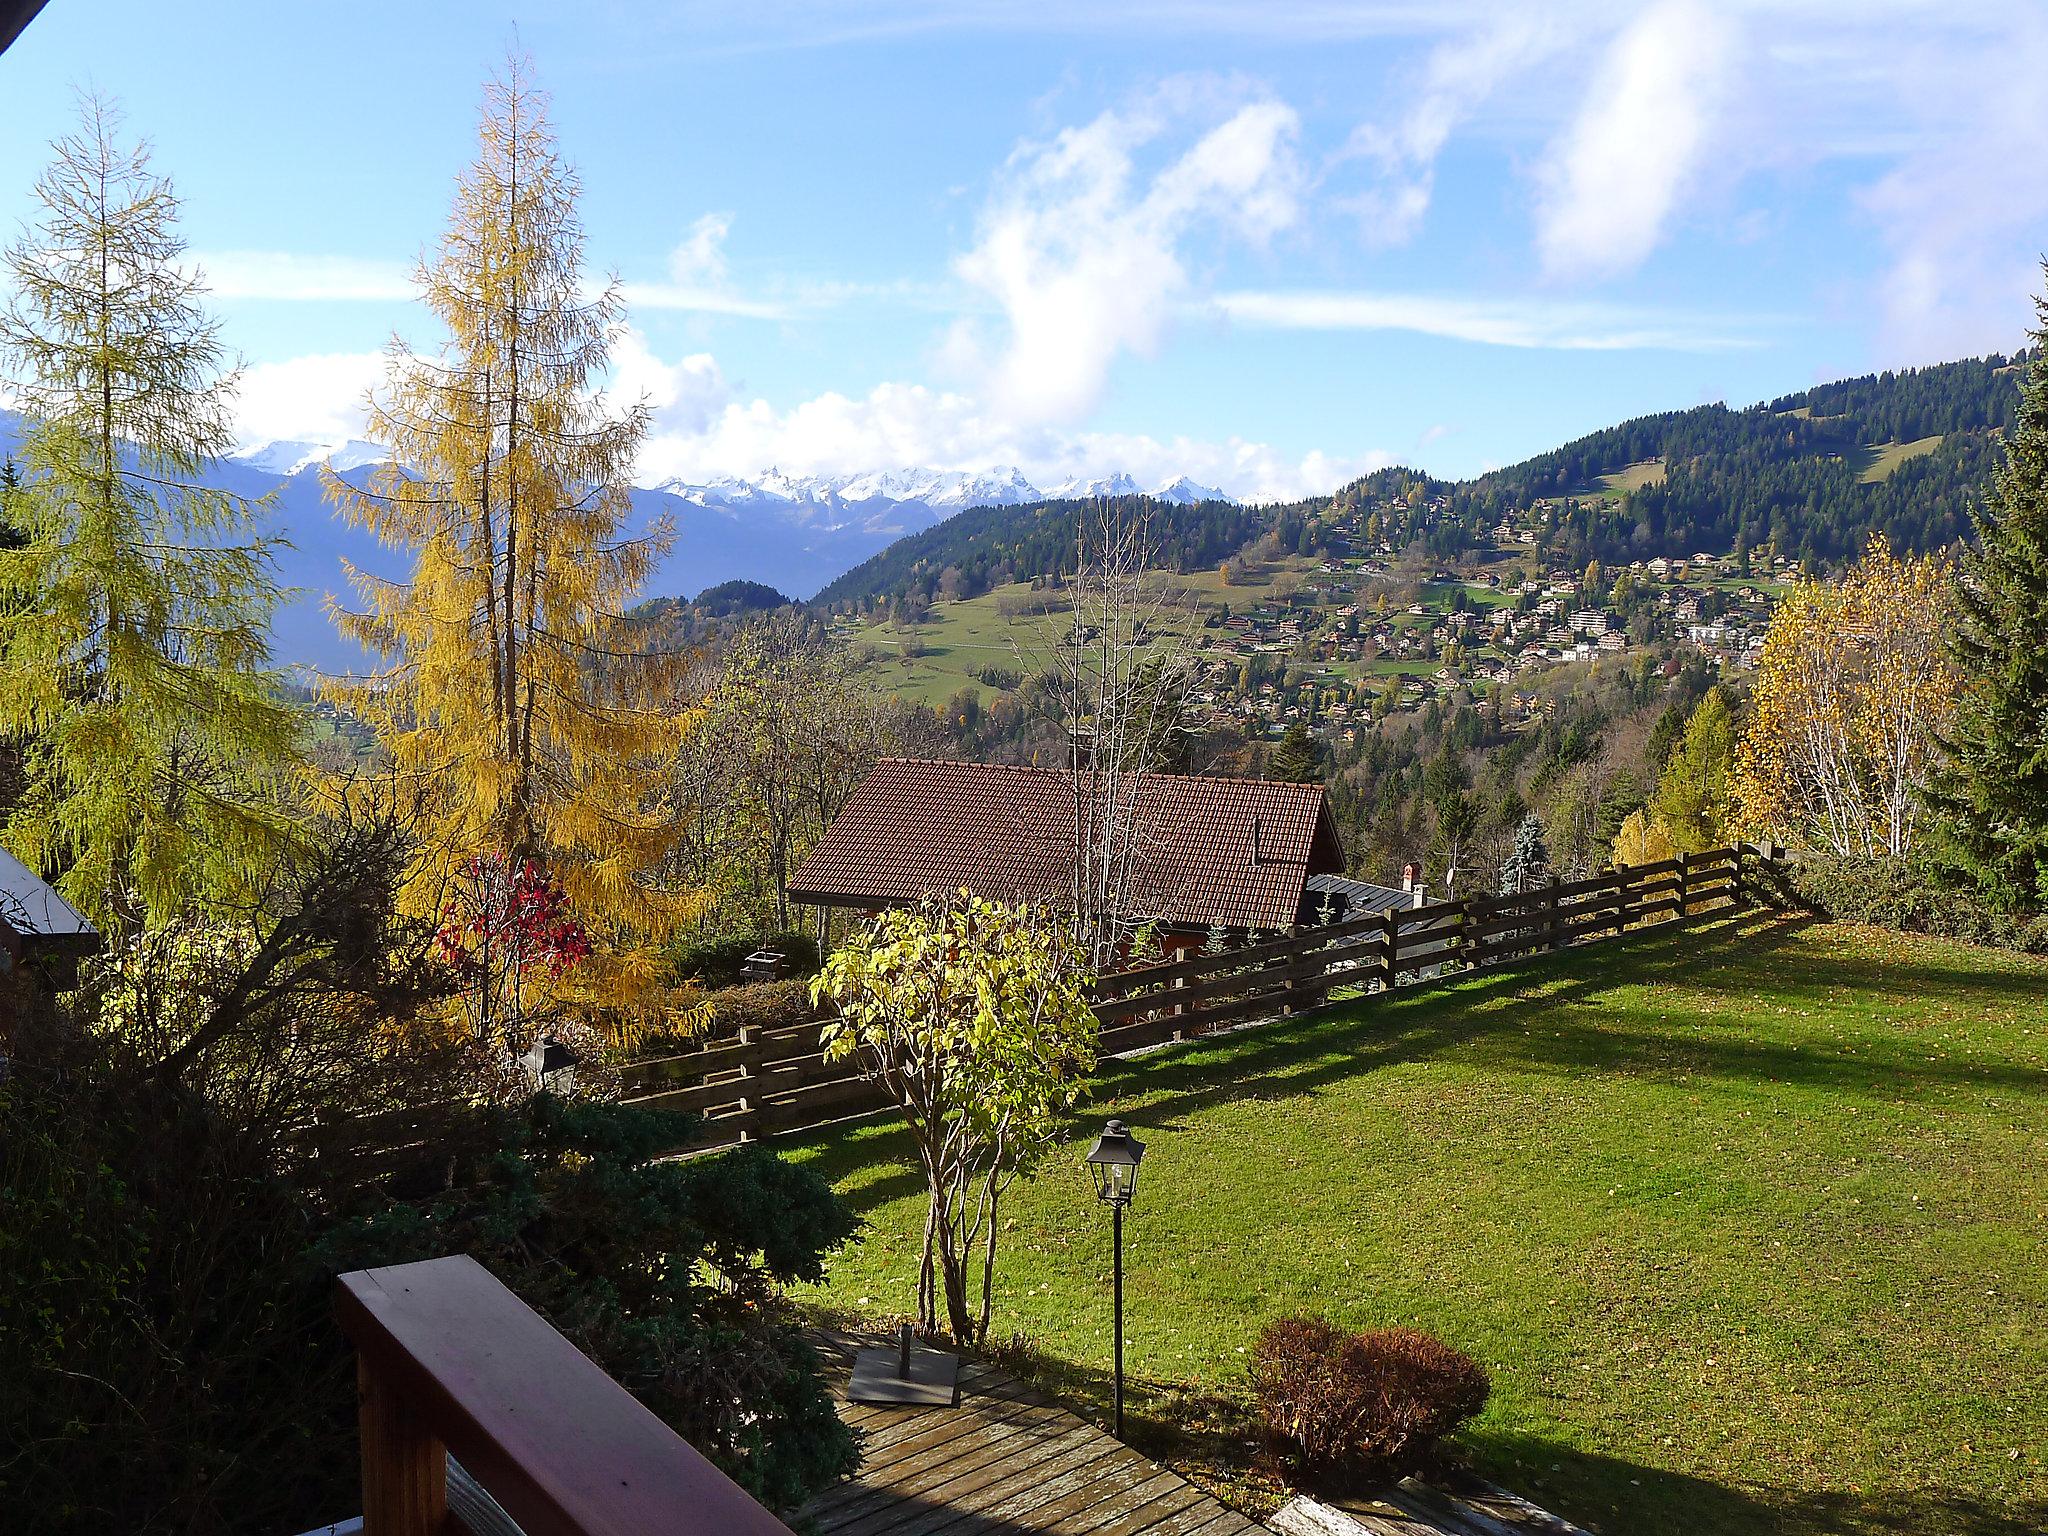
x=717, y=959
x=1006, y=678
x=669, y=1274
x=1336, y=1405
x=1911, y=896
x=764, y=1005
x=758, y=1005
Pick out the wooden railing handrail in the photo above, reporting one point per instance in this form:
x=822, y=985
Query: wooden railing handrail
x=450, y=1362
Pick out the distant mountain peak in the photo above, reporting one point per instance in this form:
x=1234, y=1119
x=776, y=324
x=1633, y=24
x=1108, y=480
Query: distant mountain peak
x=866, y=498
x=1186, y=492
x=291, y=456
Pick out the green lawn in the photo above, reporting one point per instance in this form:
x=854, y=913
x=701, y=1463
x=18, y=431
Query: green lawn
x=1748, y=1225
x=1635, y=477
x=1879, y=462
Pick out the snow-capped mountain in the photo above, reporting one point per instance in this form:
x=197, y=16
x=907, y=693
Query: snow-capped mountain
x=285, y=459
x=1185, y=492
x=907, y=498
x=1118, y=484
x=792, y=532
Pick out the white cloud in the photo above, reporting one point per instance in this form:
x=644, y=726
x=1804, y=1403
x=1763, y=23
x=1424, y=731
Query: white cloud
x=699, y=280
x=1499, y=322
x=306, y=399
x=683, y=398
x=1618, y=172
x=1458, y=77
x=1963, y=210
x=304, y=279
x=909, y=425
x=700, y=258
x=1084, y=254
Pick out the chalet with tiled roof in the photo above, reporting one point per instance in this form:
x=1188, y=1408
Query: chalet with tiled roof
x=1233, y=853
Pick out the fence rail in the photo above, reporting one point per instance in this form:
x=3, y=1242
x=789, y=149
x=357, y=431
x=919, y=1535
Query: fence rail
x=761, y=1082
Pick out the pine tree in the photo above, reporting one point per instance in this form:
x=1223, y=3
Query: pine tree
x=11, y=536
x=516, y=688
x=1528, y=864
x=1297, y=759
x=1991, y=797
x=134, y=613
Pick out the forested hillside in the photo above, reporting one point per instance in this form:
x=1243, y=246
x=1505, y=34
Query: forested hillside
x=1810, y=476
x=988, y=546
x=1810, y=473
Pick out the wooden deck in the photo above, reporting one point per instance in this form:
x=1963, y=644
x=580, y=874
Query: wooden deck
x=1006, y=1460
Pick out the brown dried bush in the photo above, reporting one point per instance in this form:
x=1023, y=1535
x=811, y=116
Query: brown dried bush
x=1338, y=1406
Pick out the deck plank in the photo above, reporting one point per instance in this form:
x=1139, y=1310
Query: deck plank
x=1006, y=1462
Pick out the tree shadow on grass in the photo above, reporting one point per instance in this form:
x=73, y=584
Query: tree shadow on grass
x=1547, y=1015
x=1612, y=1496
x=1535, y=1018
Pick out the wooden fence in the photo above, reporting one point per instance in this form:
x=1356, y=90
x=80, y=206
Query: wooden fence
x=760, y=1082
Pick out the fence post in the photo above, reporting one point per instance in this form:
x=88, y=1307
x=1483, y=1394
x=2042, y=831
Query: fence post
x=1620, y=901
x=1390, y=962
x=1735, y=888
x=1684, y=909
x=750, y=1102
x=1553, y=914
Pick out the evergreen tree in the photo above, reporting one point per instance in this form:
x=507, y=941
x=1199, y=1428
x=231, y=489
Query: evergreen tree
x=1297, y=759
x=11, y=536
x=1529, y=864
x=1621, y=799
x=1692, y=793
x=516, y=689
x=134, y=614
x=1992, y=796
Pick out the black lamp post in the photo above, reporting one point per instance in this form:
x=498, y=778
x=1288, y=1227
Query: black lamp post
x=1114, y=1161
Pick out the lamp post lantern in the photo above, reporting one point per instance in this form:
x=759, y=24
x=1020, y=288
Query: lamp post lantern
x=1113, y=1160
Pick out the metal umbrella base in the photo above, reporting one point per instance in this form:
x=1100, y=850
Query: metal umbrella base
x=926, y=1377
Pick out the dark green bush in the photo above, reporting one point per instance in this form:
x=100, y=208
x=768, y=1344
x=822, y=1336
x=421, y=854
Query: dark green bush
x=667, y=1273
x=1910, y=895
x=716, y=959
x=169, y=1359
x=1338, y=1406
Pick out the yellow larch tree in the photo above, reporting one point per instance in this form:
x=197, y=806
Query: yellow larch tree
x=1854, y=686
x=514, y=687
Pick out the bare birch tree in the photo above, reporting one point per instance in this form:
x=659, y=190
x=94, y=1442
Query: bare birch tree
x=1117, y=685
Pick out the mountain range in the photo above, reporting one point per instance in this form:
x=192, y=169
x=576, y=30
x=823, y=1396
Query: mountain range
x=1810, y=475
x=795, y=533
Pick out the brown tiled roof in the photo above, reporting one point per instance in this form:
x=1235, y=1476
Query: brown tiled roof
x=919, y=827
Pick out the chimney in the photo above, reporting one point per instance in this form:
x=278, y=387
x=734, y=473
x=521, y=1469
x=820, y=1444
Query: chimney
x=1411, y=876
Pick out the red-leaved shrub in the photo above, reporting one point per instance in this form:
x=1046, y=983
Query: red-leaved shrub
x=1337, y=1405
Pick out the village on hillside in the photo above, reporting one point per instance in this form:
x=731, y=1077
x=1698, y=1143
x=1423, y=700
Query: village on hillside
x=1362, y=631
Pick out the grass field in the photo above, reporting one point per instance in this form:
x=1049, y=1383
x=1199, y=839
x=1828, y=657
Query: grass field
x=1635, y=477
x=1880, y=461
x=958, y=639
x=1748, y=1226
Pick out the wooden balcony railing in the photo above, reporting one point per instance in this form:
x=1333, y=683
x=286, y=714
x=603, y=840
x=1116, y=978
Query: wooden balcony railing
x=449, y=1362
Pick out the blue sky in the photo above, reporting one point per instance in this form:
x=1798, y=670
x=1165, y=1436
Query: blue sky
x=1269, y=245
